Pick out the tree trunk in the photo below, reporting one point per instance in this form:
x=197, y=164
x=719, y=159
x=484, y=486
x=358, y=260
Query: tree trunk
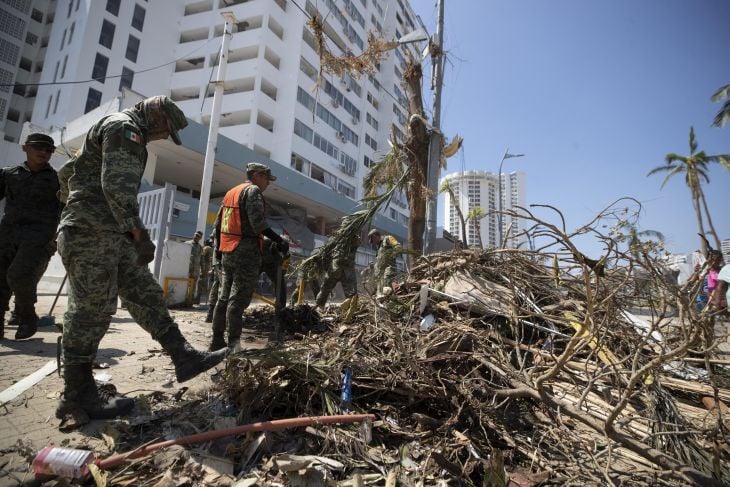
x=700, y=225
x=416, y=150
x=709, y=220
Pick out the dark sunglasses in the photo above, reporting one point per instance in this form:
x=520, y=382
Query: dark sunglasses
x=43, y=148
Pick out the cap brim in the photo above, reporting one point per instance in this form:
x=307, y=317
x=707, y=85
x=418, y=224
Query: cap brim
x=272, y=177
x=175, y=138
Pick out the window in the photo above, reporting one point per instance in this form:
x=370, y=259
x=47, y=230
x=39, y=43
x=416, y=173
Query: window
x=55, y=104
x=100, y=64
x=112, y=6
x=371, y=142
x=132, y=49
x=367, y=162
x=126, y=79
x=138, y=18
x=106, y=38
x=77, y=5
x=31, y=38
x=372, y=121
x=63, y=39
x=71, y=33
x=63, y=69
x=305, y=99
x=303, y=131
x=93, y=100
x=48, y=106
x=36, y=15
x=70, y=9
x=298, y=163
x=346, y=189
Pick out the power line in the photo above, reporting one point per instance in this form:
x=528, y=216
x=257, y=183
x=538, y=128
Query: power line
x=103, y=78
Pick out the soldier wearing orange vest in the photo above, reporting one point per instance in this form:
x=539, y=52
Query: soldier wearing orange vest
x=240, y=227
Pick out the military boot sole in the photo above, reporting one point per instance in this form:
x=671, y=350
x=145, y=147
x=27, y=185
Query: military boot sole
x=25, y=331
x=115, y=407
x=193, y=367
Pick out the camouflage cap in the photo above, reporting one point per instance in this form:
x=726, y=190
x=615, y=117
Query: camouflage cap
x=258, y=167
x=38, y=138
x=174, y=115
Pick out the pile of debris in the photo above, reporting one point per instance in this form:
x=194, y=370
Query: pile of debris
x=483, y=368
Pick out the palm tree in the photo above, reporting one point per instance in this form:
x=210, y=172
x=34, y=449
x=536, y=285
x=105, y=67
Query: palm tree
x=694, y=167
x=724, y=114
x=446, y=188
x=476, y=214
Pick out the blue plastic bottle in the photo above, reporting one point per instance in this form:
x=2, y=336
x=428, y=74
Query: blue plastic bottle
x=346, y=394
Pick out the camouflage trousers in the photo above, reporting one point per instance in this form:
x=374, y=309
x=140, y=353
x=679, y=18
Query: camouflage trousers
x=215, y=285
x=385, y=277
x=240, y=277
x=313, y=284
x=271, y=270
x=201, y=289
x=345, y=275
x=100, y=267
x=21, y=267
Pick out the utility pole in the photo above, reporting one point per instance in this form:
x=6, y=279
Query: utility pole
x=437, y=140
x=211, y=146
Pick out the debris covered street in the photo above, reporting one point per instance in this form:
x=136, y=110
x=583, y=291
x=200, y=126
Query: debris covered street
x=483, y=365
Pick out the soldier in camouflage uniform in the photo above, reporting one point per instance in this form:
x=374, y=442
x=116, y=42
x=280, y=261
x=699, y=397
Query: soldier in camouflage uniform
x=105, y=249
x=27, y=230
x=387, y=249
x=206, y=260
x=271, y=261
x=217, y=278
x=196, y=254
x=240, y=226
x=341, y=268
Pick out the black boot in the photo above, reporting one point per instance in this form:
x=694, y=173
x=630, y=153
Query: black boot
x=188, y=361
x=219, y=330
x=27, y=322
x=13, y=321
x=2, y=326
x=80, y=392
x=209, y=316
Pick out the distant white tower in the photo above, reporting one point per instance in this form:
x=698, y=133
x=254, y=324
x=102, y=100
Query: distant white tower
x=478, y=189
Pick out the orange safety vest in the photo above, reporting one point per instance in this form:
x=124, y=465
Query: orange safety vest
x=231, y=219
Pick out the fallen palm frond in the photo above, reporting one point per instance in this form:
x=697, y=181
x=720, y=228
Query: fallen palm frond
x=484, y=366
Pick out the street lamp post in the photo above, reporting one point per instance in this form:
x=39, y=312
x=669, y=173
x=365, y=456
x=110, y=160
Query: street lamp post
x=506, y=155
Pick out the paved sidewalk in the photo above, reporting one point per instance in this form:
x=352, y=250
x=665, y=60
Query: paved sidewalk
x=136, y=365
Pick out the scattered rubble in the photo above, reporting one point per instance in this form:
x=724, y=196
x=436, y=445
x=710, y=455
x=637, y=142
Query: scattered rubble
x=527, y=373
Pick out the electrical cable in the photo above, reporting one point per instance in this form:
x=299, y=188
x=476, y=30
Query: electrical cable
x=103, y=78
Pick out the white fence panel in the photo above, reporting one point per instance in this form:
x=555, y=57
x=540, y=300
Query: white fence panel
x=155, y=210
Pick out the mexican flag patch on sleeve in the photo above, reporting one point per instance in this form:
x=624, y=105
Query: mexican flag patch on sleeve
x=133, y=136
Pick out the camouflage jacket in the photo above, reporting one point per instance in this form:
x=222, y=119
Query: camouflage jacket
x=100, y=183
x=32, y=208
x=344, y=254
x=386, y=253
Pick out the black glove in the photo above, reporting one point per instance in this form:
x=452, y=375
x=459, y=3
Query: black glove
x=283, y=247
x=51, y=247
x=145, y=248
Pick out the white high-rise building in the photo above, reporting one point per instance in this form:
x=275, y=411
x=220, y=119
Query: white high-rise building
x=24, y=29
x=479, y=189
x=331, y=132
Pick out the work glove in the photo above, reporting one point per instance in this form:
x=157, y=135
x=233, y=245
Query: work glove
x=283, y=247
x=145, y=248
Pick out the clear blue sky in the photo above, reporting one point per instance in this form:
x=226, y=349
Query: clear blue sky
x=595, y=93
